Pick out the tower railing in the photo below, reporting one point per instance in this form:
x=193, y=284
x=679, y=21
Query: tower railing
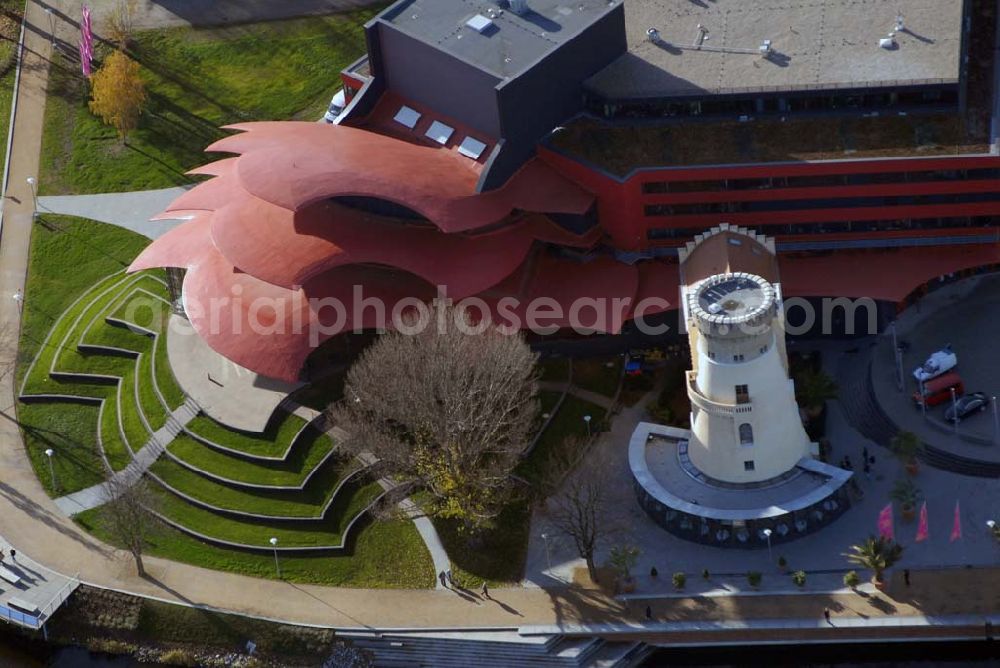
x=714, y=407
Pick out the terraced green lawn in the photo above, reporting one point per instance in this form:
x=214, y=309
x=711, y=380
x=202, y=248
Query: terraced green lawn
x=68, y=256
x=317, y=515
x=307, y=503
x=327, y=532
x=379, y=555
x=309, y=450
x=274, y=441
x=197, y=80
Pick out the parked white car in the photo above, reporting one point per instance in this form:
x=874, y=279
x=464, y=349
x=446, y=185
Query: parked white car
x=939, y=362
x=336, y=107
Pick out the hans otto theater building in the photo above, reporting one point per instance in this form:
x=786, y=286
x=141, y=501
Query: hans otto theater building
x=572, y=149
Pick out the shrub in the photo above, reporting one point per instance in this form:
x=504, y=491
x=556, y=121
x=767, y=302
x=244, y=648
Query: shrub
x=623, y=559
x=680, y=580
x=851, y=579
x=178, y=657
x=754, y=578
x=799, y=578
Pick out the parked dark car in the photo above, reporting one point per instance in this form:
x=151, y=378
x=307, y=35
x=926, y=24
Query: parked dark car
x=974, y=402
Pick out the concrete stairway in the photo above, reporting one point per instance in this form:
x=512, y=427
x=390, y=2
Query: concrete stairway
x=497, y=649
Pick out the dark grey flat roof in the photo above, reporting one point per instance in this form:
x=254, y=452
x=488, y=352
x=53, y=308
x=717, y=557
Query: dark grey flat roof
x=511, y=44
x=712, y=47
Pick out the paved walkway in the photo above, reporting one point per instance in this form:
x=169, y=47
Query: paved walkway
x=129, y=210
x=593, y=397
x=227, y=392
x=91, y=497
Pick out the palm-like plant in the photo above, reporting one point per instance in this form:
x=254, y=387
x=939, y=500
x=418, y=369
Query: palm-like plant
x=875, y=554
x=906, y=446
x=906, y=493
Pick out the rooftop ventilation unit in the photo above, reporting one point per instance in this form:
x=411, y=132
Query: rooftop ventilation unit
x=765, y=48
x=519, y=7
x=479, y=23
x=653, y=35
x=888, y=43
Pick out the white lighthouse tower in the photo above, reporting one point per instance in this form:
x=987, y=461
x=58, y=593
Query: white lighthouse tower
x=745, y=424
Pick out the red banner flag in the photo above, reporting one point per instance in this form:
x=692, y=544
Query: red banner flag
x=956, y=529
x=885, y=522
x=922, y=528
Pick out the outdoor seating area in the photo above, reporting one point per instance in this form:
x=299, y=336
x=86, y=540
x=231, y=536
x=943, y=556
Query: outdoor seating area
x=751, y=517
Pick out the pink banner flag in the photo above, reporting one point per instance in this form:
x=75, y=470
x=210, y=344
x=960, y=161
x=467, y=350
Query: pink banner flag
x=84, y=60
x=922, y=529
x=956, y=529
x=885, y=522
x=86, y=42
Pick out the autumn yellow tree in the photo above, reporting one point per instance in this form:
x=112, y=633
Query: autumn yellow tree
x=117, y=93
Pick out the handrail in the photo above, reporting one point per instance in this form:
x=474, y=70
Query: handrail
x=714, y=407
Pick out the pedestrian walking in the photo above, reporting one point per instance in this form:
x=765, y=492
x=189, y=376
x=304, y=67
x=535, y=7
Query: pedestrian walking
x=486, y=591
x=864, y=453
x=868, y=470
x=653, y=572
x=649, y=612
x=826, y=615
x=906, y=576
x=451, y=580
x=443, y=579
x=13, y=554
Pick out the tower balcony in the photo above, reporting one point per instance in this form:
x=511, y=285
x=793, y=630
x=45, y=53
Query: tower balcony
x=714, y=407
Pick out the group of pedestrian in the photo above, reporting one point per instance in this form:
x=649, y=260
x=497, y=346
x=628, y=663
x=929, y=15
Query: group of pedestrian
x=448, y=582
x=866, y=466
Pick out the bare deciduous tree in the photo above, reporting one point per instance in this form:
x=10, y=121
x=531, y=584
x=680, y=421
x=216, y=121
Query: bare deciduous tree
x=120, y=23
x=128, y=516
x=584, y=509
x=449, y=410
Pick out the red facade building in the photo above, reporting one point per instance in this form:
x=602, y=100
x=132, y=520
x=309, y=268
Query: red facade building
x=566, y=150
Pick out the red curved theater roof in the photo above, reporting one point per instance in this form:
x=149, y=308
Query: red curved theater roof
x=267, y=241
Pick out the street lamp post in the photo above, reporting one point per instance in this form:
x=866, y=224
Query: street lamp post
x=33, y=184
x=277, y=566
x=52, y=470
x=954, y=411
x=996, y=422
x=52, y=25
x=899, y=369
x=587, y=419
x=767, y=535
x=548, y=554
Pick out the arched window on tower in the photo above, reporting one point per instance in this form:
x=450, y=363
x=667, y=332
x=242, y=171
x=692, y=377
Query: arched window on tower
x=746, y=434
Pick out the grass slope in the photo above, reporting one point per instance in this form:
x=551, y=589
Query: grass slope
x=68, y=256
x=197, y=80
x=382, y=555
